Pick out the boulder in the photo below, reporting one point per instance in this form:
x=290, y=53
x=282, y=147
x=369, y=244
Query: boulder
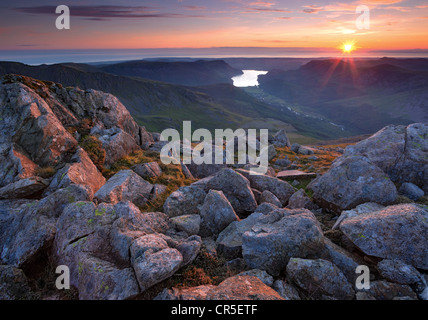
x=269, y=197
x=243, y=288
x=189, y=223
x=281, y=189
x=184, y=201
x=81, y=171
x=117, y=144
x=203, y=170
x=399, y=151
x=280, y=139
x=300, y=200
x=395, y=232
x=25, y=188
x=269, y=246
x=216, y=214
x=358, y=210
x=399, y=272
x=320, y=279
x=153, y=260
x=411, y=191
x=352, y=181
x=14, y=284
x=148, y=170
x=266, y=278
x=384, y=290
x=235, y=187
x=125, y=185
x=285, y=162
x=286, y=290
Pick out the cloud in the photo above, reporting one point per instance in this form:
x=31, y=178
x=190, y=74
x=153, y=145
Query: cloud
x=106, y=12
x=284, y=18
x=262, y=4
x=267, y=10
x=312, y=9
x=194, y=7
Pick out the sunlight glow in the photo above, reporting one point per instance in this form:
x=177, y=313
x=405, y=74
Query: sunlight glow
x=348, y=46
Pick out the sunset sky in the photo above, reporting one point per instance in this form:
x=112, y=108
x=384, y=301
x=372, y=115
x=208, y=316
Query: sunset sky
x=126, y=24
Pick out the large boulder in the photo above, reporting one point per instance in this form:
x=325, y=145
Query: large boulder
x=281, y=189
x=81, y=171
x=184, y=201
x=269, y=246
x=148, y=170
x=352, y=181
x=25, y=188
x=320, y=279
x=235, y=187
x=27, y=229
x=399, y=151
x=14, y=284
x=125, y=185
x=117, y=144
x=280, y=139
x=216, y=214
x=395, y=232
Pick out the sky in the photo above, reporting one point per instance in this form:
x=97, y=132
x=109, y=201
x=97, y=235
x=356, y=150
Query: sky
x=131, y=24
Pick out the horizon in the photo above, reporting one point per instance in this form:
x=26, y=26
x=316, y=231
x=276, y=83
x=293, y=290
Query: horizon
x=93, y=56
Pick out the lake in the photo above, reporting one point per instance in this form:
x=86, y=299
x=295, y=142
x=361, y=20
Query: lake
x=249, y=78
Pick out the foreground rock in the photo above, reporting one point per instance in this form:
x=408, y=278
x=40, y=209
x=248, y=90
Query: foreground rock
x=396, y=232
x=234, y=186
x=13, y=284
x=25, y=188
x=281, y=189
x=399, y=151
x=352, y=181
x=320, y=279
x=186, y=200
x=243, y=288
x=125, y=185
x=216, y=214
x=295, y=234
x=81, y=171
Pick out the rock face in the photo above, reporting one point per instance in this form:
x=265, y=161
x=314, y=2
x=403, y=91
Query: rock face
x=243, y=288
x=320, y=279
x=396, y=232
x=125, y=185
x=37, y=118
x=25, y=188
x=269, y=197
x=351, y=181
x=296, y=234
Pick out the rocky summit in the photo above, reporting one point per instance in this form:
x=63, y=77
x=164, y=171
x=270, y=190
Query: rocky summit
x=82, y=185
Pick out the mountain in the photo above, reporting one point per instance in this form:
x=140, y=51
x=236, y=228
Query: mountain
x=159, y=105
x=195, y=73
x=362, y=95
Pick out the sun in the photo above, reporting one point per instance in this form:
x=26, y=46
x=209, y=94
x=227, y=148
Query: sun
x=348, y=46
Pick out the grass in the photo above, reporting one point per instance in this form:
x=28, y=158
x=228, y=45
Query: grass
x=172, y=176
x=95, y=151
x=45, y=172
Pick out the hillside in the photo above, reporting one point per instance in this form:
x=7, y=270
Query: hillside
x=195, y=73
x=160, y=105
x=362, y=95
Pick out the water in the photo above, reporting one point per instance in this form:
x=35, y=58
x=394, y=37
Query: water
x=249, y=78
